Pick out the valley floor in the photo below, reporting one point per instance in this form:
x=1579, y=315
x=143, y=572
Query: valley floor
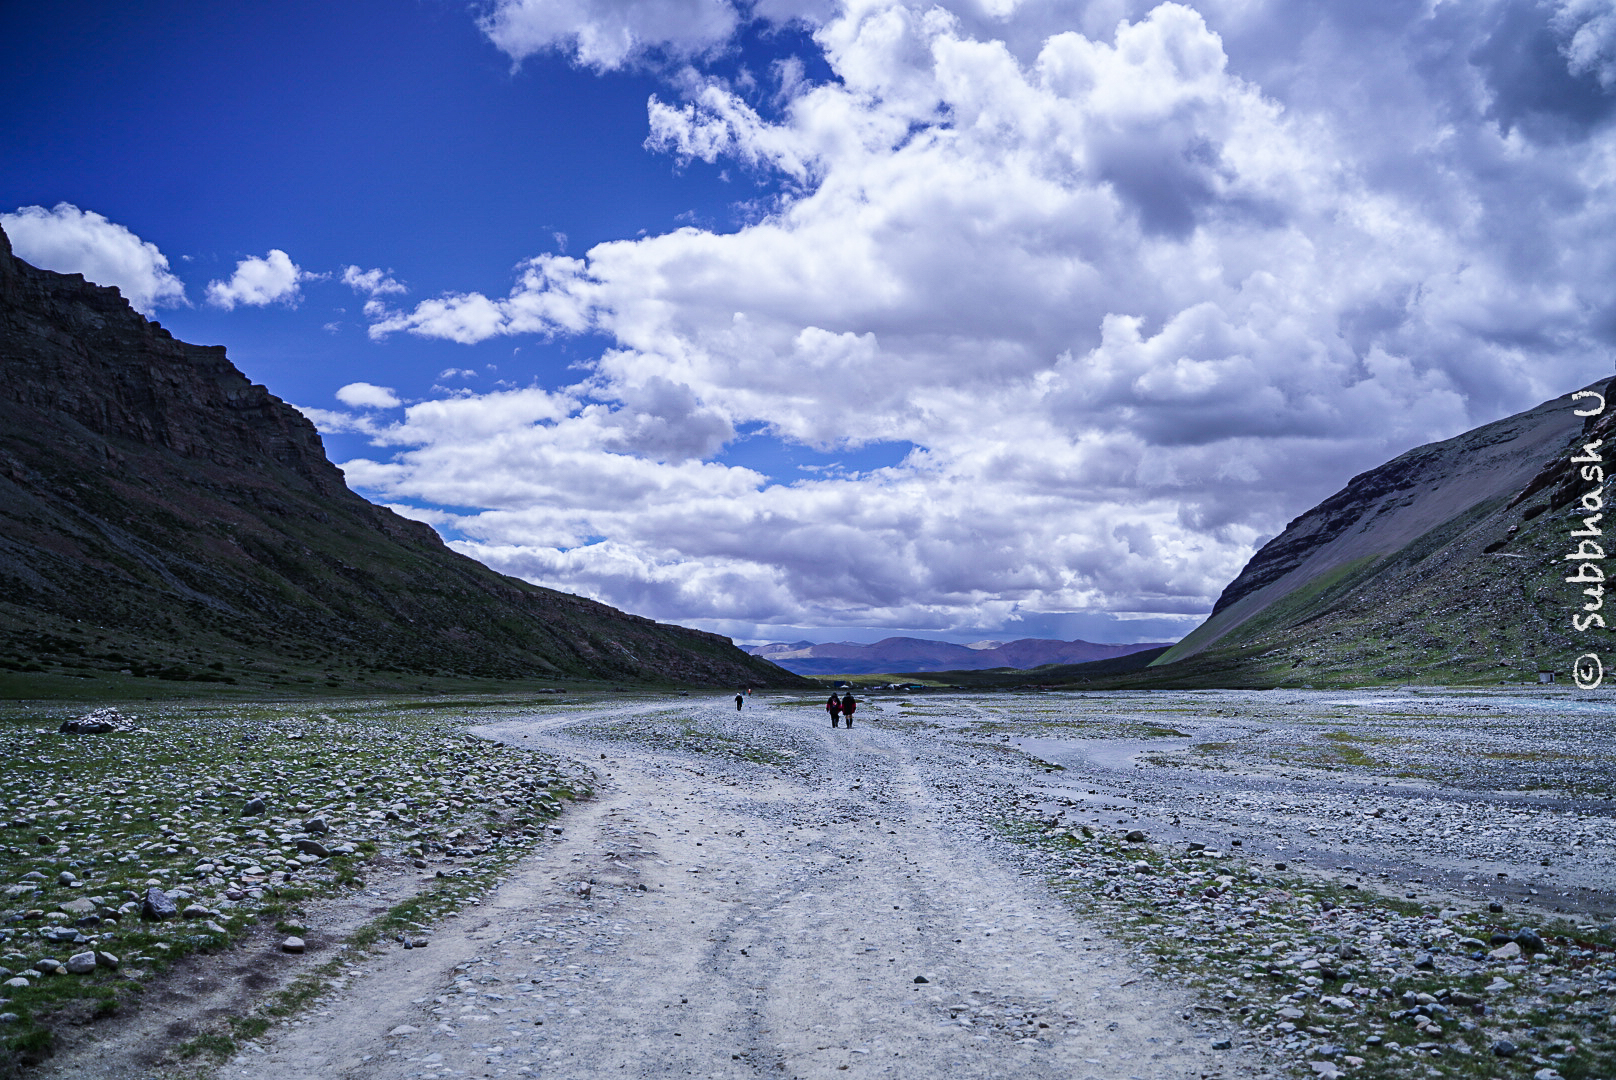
x=948, y=890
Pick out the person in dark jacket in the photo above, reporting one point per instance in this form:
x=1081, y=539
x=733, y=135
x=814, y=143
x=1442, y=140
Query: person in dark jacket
x=848, y=705
x=738, y=699
x=834, y=707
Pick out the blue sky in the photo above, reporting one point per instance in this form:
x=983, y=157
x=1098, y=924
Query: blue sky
x=833, y=320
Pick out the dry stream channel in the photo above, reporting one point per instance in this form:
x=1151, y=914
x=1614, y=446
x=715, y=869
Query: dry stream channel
x=1124, y=886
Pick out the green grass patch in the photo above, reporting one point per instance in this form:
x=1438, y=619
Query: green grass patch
x=89, y=822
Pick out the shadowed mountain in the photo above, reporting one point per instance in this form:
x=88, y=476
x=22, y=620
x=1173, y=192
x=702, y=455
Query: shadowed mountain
x=906, y=654
x=1446, y=564
x=162, y=518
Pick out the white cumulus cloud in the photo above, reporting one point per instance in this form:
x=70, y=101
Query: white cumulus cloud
x=374, y=282
x=364, y=395
x=73, y=241
x=1131, y=286
x=258, y=282
x=609, y=33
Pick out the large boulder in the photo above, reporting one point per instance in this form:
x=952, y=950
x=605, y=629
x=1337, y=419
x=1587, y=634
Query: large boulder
x=98, y=722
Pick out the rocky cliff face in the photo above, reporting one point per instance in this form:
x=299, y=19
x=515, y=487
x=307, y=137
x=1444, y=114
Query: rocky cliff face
x=1442, y=564
x=163, y=517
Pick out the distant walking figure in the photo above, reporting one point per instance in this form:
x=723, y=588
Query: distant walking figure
x=834, y=707
x=738, y=699
x=848, y=705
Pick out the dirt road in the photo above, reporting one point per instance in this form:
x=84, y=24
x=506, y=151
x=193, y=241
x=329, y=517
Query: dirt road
x=746, y=896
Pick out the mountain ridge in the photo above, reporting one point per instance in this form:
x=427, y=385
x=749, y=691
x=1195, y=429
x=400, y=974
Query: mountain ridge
x=1445, y=564
x=162, y=517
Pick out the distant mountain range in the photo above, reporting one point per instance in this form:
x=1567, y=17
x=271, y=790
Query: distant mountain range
x=164, y=520
x=906, y=654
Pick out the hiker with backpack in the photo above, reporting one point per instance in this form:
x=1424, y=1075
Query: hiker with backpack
x=834, y=707
x=848, y=705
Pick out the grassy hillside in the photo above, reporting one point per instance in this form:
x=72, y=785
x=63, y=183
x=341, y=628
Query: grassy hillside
x=1478, y=598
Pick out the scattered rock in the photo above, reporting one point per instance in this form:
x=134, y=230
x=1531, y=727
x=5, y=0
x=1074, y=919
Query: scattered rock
x=293, y=945
x=316, y=825
x=254, y=808
x=81, y=963
x=99, y=722
x=315, y=848
x=1529, y=939
x=157, y=906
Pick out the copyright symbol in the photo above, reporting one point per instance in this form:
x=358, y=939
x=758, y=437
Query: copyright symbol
x=1587, y=671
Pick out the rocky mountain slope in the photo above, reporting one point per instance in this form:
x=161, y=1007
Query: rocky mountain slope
x=164, y=519
x=906, y=654
x=1446, y=564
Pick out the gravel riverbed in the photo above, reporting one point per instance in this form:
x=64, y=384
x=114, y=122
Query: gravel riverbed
x=1230, y=884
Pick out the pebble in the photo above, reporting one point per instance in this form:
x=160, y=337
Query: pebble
x=81, y=963
x=292, y=945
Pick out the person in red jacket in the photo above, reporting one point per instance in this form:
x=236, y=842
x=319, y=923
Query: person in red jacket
x=834, y=707
x=848, y=705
